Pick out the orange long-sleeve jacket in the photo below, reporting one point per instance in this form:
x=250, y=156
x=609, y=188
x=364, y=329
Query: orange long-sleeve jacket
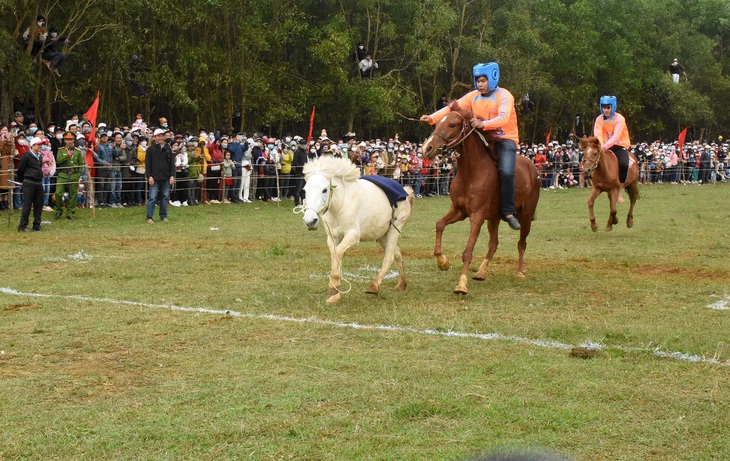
x=497, y=110
x=612, y=131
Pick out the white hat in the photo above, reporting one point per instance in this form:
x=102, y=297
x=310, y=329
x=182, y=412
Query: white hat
x=362, y=144
x=159, y=131
x=34, y=141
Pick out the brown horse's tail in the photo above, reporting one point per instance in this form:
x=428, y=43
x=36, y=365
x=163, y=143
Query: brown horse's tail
x=633, y=191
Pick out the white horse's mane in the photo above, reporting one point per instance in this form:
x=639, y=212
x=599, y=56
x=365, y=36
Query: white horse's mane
x=332, y=167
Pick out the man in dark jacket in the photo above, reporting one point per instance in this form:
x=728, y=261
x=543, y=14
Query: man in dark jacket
x=160, y=173
x=30, y=174
x=297, y=170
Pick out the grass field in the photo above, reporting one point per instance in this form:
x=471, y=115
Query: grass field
x=85, y=373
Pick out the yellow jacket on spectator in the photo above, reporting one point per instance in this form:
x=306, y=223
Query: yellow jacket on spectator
x=286, y=159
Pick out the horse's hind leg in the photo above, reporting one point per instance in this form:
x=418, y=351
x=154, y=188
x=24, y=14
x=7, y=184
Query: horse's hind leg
x=522, y=246
x=493, y=227
x=452, y=216
x=633, y=190
x=389, y=243
x=612, y=218
x=402, y=282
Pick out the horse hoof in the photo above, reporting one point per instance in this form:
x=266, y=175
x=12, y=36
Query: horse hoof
x=479, y=277
x=608, y=229
x=372, y=289
x=442, y=263
x=461, y=291
x=521, y=275
x=401, y=286
x=614, y=220
x=630, y=223
x=333, y=299
x=594, y=227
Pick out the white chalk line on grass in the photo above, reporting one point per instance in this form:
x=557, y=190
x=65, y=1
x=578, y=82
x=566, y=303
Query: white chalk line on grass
x=722, y=305
x=656, y=351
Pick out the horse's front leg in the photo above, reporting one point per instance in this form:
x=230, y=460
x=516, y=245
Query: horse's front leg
x=452, y=216
x=334, y=284
x=476, y=227
x=493, y=227
x=595, y=192
x=612, y=217
x=347, y=241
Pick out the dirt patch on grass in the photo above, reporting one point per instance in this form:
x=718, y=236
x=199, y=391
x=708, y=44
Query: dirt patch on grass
x=218, y=320
x=20, y=307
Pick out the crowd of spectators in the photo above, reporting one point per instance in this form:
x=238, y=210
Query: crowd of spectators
x=213, y=168
x=560, y=165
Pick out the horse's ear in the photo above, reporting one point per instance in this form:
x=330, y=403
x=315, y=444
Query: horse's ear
x=584, y=141
x=455, y=106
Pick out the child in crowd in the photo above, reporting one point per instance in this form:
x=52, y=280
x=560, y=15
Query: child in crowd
x=228, y=166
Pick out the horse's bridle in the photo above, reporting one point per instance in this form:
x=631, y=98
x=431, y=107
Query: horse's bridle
x=303, y=208
x=595, y=162
x=459, y=138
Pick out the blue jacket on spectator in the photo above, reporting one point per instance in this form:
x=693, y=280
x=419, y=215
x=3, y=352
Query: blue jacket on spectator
x=104, y=155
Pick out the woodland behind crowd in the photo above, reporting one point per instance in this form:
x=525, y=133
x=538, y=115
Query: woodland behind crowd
x=198, y=62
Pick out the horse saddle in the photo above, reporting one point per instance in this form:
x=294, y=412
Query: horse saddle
x=392, y=188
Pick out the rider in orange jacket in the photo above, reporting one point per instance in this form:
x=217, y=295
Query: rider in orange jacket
x=494, y=110
x=610, y=128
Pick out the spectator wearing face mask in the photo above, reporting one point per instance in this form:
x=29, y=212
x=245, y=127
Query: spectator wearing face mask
x=21, y=147
x=139, y=171
x=37, y=35
x=213, y=175
x=49, y=169
x=140, y=125
x=30, y=175
x=52, y=55
x=297, y=170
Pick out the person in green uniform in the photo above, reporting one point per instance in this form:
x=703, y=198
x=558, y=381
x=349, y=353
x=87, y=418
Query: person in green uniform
x=69, y=163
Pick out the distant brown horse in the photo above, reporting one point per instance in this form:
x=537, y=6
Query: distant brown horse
x=601, y=166
x=474, y=192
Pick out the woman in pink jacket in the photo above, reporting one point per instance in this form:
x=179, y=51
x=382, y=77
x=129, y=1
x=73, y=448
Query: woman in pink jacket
x=49, y=169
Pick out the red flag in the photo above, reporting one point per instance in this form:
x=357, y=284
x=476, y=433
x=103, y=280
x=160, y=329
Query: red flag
x=90, y=115
x=681, y=137
x=311, y=125
x=550, y=133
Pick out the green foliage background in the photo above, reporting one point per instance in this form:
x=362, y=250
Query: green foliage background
x=275, y=59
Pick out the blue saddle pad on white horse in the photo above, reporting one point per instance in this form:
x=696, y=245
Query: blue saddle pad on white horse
x=393, y=190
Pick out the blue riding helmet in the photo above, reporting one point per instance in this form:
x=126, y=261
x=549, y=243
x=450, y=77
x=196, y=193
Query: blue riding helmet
x=489, y=70
x=608, y=101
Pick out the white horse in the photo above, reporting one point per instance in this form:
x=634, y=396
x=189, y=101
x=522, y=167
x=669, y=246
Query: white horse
x=353, y=210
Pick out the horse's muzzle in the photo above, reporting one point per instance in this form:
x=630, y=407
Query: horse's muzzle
x=587, y=173
x=311, y=220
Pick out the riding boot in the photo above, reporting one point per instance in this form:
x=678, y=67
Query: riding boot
x=507, y=157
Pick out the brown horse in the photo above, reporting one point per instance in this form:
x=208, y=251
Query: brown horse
x=601, y=166
x=475, y=191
